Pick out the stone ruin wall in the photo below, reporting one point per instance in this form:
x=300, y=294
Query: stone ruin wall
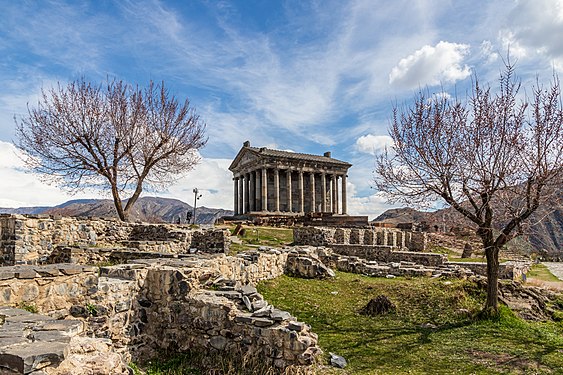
x=326, y=236
x=202, y=302
x=166, y=304
x=34, y=239
x=388, y=255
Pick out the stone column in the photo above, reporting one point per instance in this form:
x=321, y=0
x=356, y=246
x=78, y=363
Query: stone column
x=276, y=190
x=241, y=194
x=301, y=193
x=289, y=197
x=344, y=203
x=247, y=192
x=264, y=182
x=312, y=183
x=236, y=195
x=336, y=207
x=329, y=194
x=252, y=193
x=257, y=190
x=323, y=193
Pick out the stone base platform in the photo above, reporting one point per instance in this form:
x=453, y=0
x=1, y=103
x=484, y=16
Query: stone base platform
x=308, y=219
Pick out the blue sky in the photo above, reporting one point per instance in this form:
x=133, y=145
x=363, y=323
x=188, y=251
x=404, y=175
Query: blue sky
x=308, y=76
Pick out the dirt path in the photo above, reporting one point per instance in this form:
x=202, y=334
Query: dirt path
x=556, y=268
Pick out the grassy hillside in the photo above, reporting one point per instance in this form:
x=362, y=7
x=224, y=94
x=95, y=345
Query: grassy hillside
x=430, y=332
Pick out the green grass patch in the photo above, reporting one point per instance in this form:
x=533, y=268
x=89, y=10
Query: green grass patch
x=255, y=236
x=406, y=341
x=441, y=250
x=29, y=307
x=541, y=272
x=466, y=260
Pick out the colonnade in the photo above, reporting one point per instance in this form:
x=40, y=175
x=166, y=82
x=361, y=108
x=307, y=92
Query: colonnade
x=289, y=190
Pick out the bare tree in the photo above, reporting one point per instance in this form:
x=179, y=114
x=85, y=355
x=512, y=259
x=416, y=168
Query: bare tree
x=495, y=159
x=112, y=135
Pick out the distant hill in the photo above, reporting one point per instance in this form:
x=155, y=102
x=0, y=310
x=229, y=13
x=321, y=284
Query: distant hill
x=24, y=210
x=147, y=209
x=402, y=215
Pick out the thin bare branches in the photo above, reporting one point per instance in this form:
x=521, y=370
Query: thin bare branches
x=494, y=159
x=112, y=135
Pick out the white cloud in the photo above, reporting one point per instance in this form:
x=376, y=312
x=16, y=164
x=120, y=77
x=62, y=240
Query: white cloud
x=373, y=144
x=371, y=206
x=511, y=44
x=213, y=180
x=21, y=189
x=431, y=66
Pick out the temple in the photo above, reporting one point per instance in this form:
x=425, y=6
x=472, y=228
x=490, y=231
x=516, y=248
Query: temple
x=278, y=182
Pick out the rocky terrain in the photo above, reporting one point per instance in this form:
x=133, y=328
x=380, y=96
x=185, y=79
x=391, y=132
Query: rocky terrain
x=146, y=209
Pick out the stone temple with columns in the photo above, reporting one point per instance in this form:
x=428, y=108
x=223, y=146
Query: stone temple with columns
x=274, y=182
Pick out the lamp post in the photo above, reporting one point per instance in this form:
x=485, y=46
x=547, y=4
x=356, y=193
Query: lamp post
x=196, y=197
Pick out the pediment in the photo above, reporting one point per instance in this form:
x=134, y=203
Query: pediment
x=245, y=157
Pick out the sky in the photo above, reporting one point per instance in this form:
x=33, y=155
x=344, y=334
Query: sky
x=307, y=76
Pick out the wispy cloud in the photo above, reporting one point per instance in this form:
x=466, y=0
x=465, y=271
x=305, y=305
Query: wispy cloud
x=533, y=30
x=307, y=76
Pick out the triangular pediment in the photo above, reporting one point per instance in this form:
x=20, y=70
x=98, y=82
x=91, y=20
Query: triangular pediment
x=245, y=156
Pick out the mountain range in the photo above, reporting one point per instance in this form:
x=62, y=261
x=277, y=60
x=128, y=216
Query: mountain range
x=146, y=209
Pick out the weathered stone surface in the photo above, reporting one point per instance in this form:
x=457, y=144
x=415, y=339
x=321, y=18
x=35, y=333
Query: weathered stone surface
x=326, y=236
x=24, y=359
x=30, y=342
x=90, y=356
x=337, y=361
x=43, y=239
x=307, y=265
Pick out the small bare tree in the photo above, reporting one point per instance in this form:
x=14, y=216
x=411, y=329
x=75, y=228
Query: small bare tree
x=495, y=159
x=112, y=135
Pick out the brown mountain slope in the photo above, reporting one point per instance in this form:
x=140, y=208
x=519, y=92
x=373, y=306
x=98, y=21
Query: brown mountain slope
x=147, y=209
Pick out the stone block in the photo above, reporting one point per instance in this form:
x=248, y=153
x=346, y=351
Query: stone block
x=24, y=359
x=6, y=274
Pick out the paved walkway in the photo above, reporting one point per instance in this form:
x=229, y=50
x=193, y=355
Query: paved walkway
x=556, y=268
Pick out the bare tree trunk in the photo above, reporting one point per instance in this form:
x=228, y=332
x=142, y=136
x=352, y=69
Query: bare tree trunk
x=118, y=205
x=131, y=201
x=492, y=254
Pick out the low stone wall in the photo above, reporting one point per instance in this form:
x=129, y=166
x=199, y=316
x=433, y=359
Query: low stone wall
x=233, y=319
x=206, y=302
x=511, y=270
x=394, y=238
x=53, y=288
x=32, y=239
x=387, y=254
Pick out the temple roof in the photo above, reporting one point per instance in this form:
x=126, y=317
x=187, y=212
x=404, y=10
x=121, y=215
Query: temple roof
x=263, y=152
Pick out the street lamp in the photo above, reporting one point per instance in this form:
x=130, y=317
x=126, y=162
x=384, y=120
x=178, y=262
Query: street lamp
x=196, y=197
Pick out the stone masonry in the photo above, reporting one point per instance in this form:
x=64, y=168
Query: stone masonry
x=394, y=238
x=288, y=183
x=33, y=239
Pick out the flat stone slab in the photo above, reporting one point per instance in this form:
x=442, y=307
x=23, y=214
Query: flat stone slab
x=30, y=342
x=26, y=358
